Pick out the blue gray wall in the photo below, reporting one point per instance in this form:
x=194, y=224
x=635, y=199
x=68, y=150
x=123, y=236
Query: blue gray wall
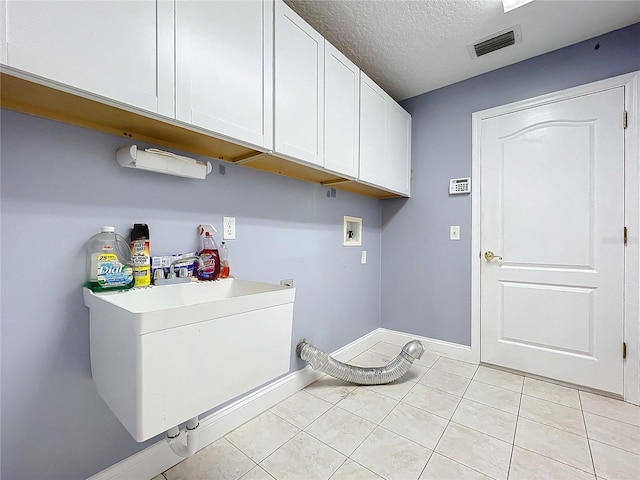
x=59, y=185
x=426, y=278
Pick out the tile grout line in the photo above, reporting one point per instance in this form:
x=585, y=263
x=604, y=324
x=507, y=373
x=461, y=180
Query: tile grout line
x=550, y=401
x=434, y=447
x=612, y=419
x=586, y=432
x=561, y=430
x=298, y=433
x=463, y=464
x=352, y=460
x=546, y=456
x=269, y=454
x=447, y=426
x=346, y=458
x=499, y=387
x=255, y=464
x=556, y=460
x=379, y=424
x=515, y=430
x=284, y=419
x=450, y=421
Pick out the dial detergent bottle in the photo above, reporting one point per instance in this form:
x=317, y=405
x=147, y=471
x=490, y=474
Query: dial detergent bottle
x=209, y=264
x=108, y=263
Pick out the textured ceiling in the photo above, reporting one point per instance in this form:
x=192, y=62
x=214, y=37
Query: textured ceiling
x=409, y=47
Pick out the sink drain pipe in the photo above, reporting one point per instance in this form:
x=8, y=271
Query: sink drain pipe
x=189, y=446
x=394, y=370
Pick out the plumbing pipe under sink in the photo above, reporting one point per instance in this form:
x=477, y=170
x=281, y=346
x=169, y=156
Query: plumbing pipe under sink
x=189, y=446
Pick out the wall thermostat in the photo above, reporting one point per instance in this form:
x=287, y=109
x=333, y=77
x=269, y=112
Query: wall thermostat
x=459, y=185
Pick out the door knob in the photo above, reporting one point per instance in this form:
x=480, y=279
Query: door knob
x=489, y=255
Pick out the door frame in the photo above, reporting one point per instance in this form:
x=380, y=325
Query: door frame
x=631, y=82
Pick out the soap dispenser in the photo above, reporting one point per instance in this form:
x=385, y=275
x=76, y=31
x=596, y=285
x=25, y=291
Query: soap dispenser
x=108, y=262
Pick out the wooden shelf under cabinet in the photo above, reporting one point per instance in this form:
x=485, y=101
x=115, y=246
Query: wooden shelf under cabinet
x=60, y=103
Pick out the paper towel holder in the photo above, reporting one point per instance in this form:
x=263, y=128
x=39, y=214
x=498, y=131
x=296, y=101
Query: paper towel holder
x=154, y=160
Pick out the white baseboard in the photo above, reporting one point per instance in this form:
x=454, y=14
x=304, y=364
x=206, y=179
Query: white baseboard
x=448, y=349
x=159, y=457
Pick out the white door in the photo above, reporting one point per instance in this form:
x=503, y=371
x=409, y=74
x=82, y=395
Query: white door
x=552, y=195
x=120, y=50
x=224, y=73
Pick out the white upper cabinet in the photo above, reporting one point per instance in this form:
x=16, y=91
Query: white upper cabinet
x=398, y=149
x=224, y=68
x=373, y=126
x=341, y=113
x=385, y=139
x=299, y=88
x=119, y=50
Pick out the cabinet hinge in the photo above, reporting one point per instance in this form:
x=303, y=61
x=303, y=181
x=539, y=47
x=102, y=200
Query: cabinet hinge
x=625, y=235
x=624, y=119
x=624, y=350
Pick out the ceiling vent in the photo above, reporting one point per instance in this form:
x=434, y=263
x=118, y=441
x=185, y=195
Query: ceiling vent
x=497, y=41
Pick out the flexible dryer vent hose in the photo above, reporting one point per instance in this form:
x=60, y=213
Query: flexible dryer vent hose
x=394, y=370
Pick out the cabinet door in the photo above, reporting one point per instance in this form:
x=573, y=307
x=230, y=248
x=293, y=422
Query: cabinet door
x=299, y=87
x=224, y=72
x=373, y=131
x=398, y=149
x=120, y=50
x=341, y=113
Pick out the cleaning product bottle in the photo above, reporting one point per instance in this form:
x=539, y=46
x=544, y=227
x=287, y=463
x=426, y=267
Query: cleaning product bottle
x=224, y=260
x=209, y=264
x=140, y=255
x=108, y=263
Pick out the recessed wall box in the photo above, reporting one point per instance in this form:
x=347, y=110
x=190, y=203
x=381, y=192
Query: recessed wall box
x=352, y=232
x=155, y=160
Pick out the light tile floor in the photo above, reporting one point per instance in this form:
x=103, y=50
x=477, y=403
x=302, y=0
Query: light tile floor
x=445, y=420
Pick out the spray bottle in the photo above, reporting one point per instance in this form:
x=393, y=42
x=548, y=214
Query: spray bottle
x=209, y=264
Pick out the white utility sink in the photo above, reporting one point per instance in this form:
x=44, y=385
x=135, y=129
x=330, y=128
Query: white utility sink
x=164, y=354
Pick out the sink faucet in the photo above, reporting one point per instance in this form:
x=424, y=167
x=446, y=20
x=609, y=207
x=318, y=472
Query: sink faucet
x=172, y=276
x=183, y=271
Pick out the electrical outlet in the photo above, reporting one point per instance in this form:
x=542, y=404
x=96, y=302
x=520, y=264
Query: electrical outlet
x=363, y=257
x=454, y=232
x=228, y=228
